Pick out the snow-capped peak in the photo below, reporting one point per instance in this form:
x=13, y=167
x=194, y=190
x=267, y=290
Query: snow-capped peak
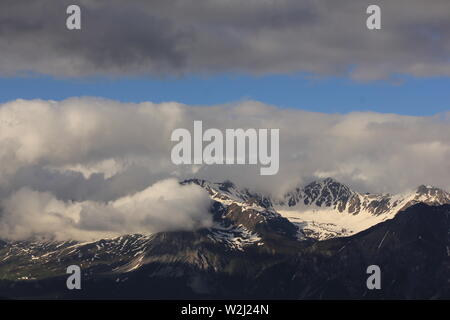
x=325, y=208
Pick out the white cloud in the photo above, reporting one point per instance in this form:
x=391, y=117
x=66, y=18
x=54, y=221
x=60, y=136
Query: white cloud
x=92, y=151
x=164, y=206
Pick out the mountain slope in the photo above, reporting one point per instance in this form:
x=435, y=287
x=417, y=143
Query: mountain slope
x=412, y=250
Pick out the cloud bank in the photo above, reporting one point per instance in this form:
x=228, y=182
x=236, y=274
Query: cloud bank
x=164, y=206
x=161, y=37
x=87, y=167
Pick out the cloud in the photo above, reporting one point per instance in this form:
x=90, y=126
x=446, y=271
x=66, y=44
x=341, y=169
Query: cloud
x=97, y=149
x=164, y=206
x=93, y=166
x=175, y=37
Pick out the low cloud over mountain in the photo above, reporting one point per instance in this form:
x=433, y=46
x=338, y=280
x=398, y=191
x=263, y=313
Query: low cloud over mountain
x=164, y=206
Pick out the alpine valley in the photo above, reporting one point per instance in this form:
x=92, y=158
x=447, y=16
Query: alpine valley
x=315, y=242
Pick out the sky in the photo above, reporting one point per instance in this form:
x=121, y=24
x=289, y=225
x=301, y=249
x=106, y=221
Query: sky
x=316, y=55
x=407, y=96
x=86, y=115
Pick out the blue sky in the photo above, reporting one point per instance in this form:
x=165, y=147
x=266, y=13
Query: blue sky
x=409, y=96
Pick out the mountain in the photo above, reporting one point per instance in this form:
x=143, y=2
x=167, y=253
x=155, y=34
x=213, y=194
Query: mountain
x=227, y=192
x=325, y=208
x=412, y=250
x=258, y=247
x=330, y=193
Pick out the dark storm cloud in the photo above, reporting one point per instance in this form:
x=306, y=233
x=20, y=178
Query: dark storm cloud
x=161, y=37
x=115, y=39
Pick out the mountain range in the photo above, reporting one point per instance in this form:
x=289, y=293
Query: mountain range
x=315, y=242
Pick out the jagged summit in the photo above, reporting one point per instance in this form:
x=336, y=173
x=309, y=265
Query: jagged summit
x=227, y=192
x=432, y=195
x=325, y=192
